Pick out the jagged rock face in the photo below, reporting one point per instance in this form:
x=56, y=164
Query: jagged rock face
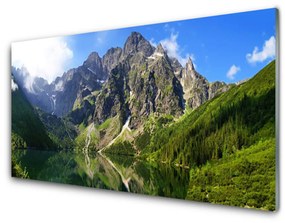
x=154, y=89
x=40, y=84
x=74, y=86
x=64, y=99
x=159, y=51
x=177, y=68
x=79, y=83
x=197, y=90
x=112, y=99
x=40, y=95
x=195, y=86
x=95, y=65
x=83, y=114
x=112, y=58
x=137, y=43
x=126, y=90
x=216, y=88
x=140, y=86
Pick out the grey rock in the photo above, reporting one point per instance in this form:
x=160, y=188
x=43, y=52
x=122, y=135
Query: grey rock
x=140, y=86
x=112, y=58
x=197, y=89
x=137, y=43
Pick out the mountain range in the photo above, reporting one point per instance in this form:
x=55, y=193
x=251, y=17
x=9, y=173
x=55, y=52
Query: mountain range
x=137, y=101
x=136, y=80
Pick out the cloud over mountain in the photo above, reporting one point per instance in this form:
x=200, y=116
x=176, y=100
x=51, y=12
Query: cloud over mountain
x=45, y=58
x=173, y=49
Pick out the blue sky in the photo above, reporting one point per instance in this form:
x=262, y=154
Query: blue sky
x=228, y=47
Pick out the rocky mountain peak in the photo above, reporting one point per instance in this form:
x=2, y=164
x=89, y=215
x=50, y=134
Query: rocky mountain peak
x=137, y=43
x=136, y=35
x=92, y=58
x=158, y=53
x=93, y=65
x=160, y=50
x=189, y=65
x=112, y=51
x=112, y=58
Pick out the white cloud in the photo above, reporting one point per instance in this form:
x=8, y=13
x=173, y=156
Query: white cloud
x=232, y=71
x=171, y=45
x=45, y=58
x=173, y=49
x=267, y=52
x=14, y=86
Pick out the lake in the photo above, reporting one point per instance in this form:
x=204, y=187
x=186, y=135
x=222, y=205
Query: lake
x=114, y=172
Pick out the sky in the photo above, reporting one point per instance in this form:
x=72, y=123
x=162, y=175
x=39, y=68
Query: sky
x=227, y=48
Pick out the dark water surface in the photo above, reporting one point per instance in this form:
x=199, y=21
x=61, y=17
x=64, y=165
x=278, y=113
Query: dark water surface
x=121, y=173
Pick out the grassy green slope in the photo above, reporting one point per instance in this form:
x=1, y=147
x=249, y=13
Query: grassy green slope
x=229, y=122
x=27, y=128
x=101, y=135
x=81, y=140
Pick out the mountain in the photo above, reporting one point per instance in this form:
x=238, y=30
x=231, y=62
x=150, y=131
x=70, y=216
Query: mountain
x=71, y=89
x=112, y=58
x=150, y=76
x=66, y=92
x=146, y=81
x=135, y=83
x=27, y=128
x=139, y=85
x=229, y=122
x=136, y=43
x=139, y=102
x=60, y=130
x=35, y=89
x=229, y=143
x=197, y=90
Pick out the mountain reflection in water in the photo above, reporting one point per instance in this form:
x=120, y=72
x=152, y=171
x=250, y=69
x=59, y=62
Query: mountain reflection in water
x=114, y=172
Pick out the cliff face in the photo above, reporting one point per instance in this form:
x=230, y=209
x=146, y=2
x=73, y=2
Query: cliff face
x=112, y=58
x=197, y=90
x=141, y=84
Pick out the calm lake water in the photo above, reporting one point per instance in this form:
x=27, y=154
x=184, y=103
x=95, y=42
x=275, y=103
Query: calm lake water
x=121, y=173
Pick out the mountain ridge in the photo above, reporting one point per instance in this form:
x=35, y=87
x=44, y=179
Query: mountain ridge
x=60, y=96
x=134, y=82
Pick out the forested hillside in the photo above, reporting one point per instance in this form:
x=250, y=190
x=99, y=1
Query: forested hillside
x=27, y=128
x=231, y=121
